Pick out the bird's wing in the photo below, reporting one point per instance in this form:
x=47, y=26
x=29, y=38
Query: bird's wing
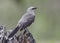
x=29, y=20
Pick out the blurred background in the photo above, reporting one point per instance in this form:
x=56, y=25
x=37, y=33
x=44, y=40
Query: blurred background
x=45, y=29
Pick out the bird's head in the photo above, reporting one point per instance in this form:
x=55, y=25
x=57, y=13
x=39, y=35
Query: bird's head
x=31, y=8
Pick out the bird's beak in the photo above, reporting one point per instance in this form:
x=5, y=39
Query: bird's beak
x=34, y=8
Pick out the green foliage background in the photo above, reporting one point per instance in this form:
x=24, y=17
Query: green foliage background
x=45, y=29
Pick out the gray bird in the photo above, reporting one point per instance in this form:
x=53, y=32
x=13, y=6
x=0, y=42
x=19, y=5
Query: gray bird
x=26, y=20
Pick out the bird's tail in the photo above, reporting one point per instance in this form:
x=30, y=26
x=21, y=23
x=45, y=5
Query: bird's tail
x=21, y=27
x=14, y=32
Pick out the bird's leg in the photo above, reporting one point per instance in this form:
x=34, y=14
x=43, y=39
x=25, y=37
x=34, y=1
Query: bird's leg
x=25, y=30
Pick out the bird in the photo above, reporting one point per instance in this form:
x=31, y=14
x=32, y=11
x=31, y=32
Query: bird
x=26, y=20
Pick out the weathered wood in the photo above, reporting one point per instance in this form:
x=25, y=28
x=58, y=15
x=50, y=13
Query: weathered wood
x=24, y=37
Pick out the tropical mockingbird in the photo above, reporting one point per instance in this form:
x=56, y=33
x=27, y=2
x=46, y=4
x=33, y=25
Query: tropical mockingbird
x=26, y=20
